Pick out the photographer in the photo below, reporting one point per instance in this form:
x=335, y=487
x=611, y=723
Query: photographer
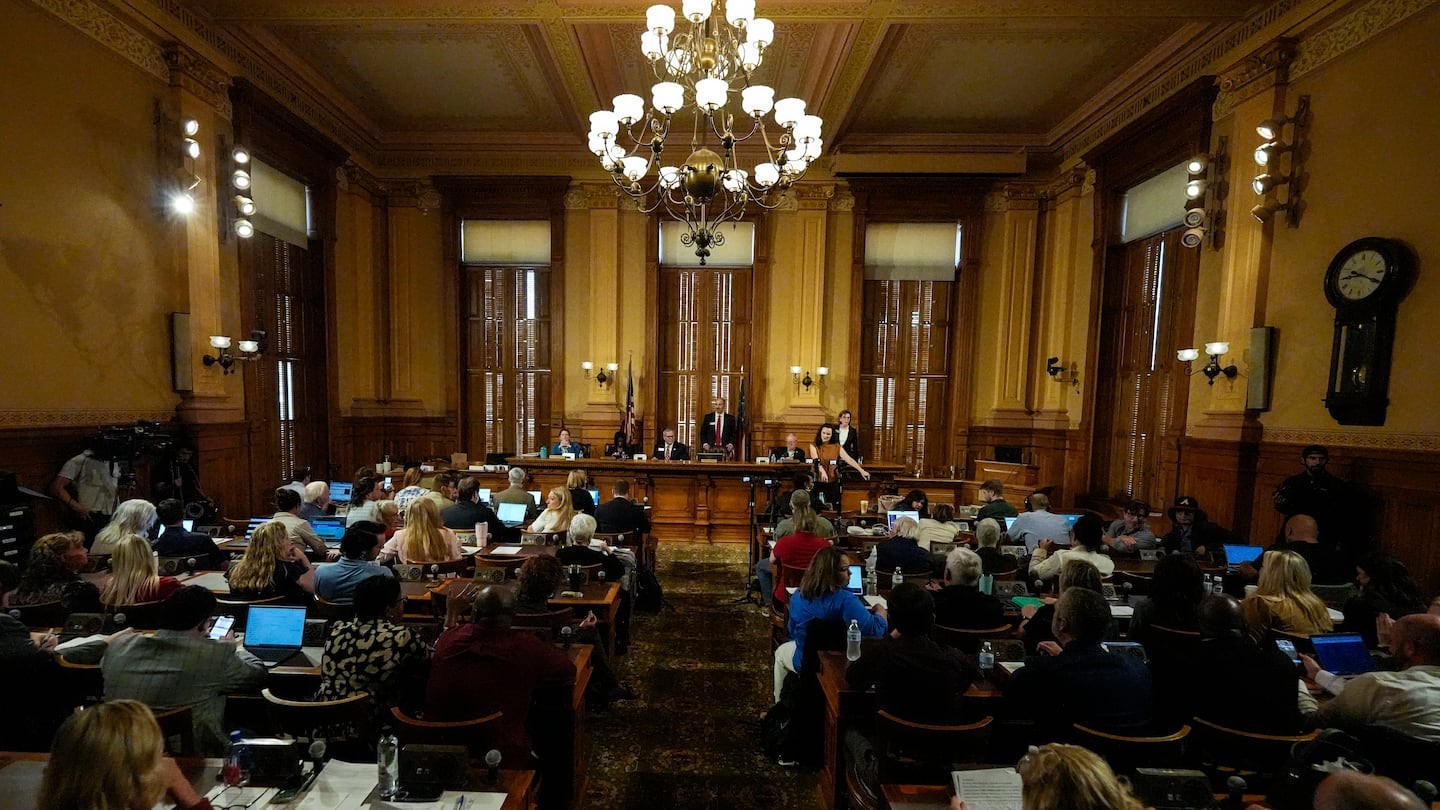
x=88, y=489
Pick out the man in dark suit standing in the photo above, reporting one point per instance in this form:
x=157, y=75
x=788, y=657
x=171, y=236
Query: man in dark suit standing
x=790, y=452
x=622, y=514
x=717, y=429
x=670, y=450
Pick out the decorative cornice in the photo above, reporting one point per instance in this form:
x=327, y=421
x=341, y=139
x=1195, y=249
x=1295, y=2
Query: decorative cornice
x=812, y=196
x=1076, y=178
x=112, y=32
x=1352, y=31
x=80, y=417
x=996, y=202
x=1255, y=74
x=192, y=74
x=353, y=174
x=1428, y=442
x=843, y=201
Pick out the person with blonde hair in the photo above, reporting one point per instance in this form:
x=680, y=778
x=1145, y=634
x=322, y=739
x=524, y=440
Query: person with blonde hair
x=1283, y=600
x=822, y=595
x=558, y=512
x=578, y=482
x=111, y=757
x=424, y=538
x=272, y=566
x=135, y=576
x=1057, y=776
x=135, y=516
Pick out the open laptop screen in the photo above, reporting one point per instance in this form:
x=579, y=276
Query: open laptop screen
x=511, y=514
x=484, y=496
x=595, y=496
x=856, y=583
x=896, y=514
x=1342, y=653
x=1010, y=523
x=275, y=626
x=329, y=528
x=1234, y=554
x=340, y=491
x=536, y=496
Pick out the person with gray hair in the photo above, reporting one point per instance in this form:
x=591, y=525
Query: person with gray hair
x=992, y=559
x=316, y=501
x=960, y=603
x=516, y=493
x=135, y=516
x=579, y=551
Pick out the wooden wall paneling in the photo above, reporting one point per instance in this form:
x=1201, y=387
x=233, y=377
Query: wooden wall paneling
x=1044, y=449
x=368, y=439
x=35, y=455
x=222, y=459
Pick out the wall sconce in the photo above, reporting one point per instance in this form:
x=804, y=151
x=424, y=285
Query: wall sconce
x=1212, y=369
x=1060, y=373
x=249, y=350
x=795, y=375
x=602, y=379
x=1205, y=197
x=587, y=366
x=1272, y=176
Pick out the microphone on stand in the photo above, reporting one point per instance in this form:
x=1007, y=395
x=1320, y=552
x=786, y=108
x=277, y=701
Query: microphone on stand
x=1235, y=792
x=567, y=633
x=492, y=764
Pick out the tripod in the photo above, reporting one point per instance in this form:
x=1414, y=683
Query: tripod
x=752, y=583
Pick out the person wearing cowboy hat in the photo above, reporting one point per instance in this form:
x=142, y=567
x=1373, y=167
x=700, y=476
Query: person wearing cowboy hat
x=1192, y=533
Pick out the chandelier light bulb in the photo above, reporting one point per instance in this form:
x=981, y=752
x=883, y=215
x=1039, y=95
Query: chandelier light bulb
x=808, y=127
x=749, y=54
x=635, y=167
x=710, y=93
x=244, y=229
x=760, y=32
x=813, y=148
x=650, y=45
x=757, y=100
x=667, y=97
x=669, y=176
x=597, y=145
x=696, y=11
x=767, y=175
x=734, y=180
x=604, y=123
x=739, y=13
x=629, y=108
x=788, y=111
x=660, y=19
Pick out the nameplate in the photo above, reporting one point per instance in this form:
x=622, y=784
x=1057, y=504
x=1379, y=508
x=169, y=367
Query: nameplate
x=638, y=457
x=568, y=456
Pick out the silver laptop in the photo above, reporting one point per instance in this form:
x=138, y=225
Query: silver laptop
x=273, y=633
x=511, y=514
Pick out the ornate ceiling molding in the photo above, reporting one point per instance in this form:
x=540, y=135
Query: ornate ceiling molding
x=112, y=32
x=1354, y=30
x=592, y=196
x=843, y=201
x=1257, y=73
x=193, y=74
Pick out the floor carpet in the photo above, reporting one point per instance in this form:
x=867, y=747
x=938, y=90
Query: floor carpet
x=702, y=670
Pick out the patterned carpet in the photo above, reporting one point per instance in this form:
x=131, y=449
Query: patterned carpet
x=702, y=670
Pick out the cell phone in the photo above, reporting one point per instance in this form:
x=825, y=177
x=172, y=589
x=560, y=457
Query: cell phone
x=1288, y=647
x=221, y=626
x=387, y=483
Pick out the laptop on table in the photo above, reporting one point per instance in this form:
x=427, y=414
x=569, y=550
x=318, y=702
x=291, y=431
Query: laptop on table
x=1343, y=653
x=1235, y=554
x=273, y=633
x=895, y=514
x=340, y=491
x=511, y=514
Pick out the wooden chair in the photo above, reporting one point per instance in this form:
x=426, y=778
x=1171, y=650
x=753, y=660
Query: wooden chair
x=348, y=718
x=42, y=616
x=175, y=566
x=480, y=735
x=550, y=619
x=966, y=640
x=588, y=574
x=141, y=615
x=1126, y=753
x=921, y=754
x=334, y=611
x=177, y=726
x=1227, y=750
x=1139, y=583
x=84, y=680
x=240, y=608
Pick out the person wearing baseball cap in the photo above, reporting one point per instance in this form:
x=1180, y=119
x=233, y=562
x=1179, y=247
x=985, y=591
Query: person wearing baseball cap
x=1192, y=533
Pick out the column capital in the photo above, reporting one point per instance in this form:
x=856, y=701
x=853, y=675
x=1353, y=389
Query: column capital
x=193, y=74
x=1267, y=68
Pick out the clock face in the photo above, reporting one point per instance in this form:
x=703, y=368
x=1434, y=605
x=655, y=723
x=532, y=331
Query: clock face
x=1361, y=275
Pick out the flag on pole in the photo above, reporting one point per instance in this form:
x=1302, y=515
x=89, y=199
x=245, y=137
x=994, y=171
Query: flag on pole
x=627, y=424
x=742, y=427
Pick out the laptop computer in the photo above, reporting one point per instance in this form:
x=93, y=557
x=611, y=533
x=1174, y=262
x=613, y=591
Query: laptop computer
x=331, y=530
x=255, y=523
x=1010, y=522
x=485, y=496
x=896, y=514
x=856, y=583
x=595, y=496
x=537, y=497
x=273, y=633
x=188, y=524
x=511, y=514
x=1234, y=555
x=340, y=491
x=1343, y=653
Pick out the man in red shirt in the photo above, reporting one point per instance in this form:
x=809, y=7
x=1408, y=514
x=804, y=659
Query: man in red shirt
x=485, y=666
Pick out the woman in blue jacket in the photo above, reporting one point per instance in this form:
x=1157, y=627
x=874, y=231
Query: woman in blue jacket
x=822, y=595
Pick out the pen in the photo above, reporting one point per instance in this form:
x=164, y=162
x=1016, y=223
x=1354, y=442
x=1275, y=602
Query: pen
x=460, y=803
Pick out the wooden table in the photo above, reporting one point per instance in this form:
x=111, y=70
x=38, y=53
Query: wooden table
x=20, y=775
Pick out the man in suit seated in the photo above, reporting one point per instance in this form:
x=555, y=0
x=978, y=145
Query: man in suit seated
x=516, y=493
x=717, y=429
x=790, y=452
x=1407, y=701
x=469, y=510
x=176, y=541
x=620, y=514
x=670, y=450
x=960, y=603
x=1075, y=680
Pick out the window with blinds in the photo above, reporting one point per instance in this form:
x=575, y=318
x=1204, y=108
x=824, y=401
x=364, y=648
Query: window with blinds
x=705, y=343
x=1140, y=400
x=904, y=368
x=507, y=358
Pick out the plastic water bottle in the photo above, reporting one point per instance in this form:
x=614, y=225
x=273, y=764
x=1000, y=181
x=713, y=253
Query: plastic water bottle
x=897, y=579
x=872, y=583
x=236, y=771
x=987, y=584
x=987, y=659
x=852, y=641
x=387, y=761
x=873, y=561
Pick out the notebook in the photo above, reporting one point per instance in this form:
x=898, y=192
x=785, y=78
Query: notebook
x=340, y=491
x=1342, y=653
x=857, y=579
x=896, y=514
x=1234, y=555
x=274, y=633
x=511, y=514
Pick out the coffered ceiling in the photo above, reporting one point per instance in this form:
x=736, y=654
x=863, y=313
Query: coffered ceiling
x=407, y=77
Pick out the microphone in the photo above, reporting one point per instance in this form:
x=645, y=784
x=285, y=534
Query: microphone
x=566, y=634
x=434, y=571
x=190, y=565
x=492, y=763
x=1235, y=792
x=302, y=784
x=1426, y=791
x=120, y=620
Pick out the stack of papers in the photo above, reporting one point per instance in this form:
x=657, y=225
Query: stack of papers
x=989, y=789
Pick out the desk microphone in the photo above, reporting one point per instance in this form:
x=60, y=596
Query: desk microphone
x=317, y=755
x=119, y=621
x=566, y=634
x=1426, y=791
x=1235, y=792
x=190, y=565
x=492, y=762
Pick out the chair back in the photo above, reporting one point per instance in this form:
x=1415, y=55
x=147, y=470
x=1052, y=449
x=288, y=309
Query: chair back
x=449, y=568
x=320, y=718
x=141, y=615
x=1006, y=590
x=1139, y=583
x=480, y=735
x=788, y=576
x=506, y=563
x=549, y=620
x=175, y=566
x=1334, y=595
x=1227, y=749
x=177, y=726
x=240, y=608
x=588, y=574
x=43, y=615
x=83, y=680
x=551, y=538
x=921, y=753
x=967, y=640
x=1126, y=753
x=334, y=611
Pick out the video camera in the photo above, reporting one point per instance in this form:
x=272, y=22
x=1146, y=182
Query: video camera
x=124, y=445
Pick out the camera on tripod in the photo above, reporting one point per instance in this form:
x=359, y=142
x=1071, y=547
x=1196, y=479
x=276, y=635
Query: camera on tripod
x=125, y=445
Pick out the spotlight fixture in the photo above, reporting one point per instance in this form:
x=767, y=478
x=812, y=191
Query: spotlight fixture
x=240, y=179
x=1271, y=128
x=1265, y=183
x=244, y=205
x=182, y=203
x=244, y=228
x=1205, y=196
x=1266, y=152
x=192, y=148
x=240, y=155
x=190, y=127
x=1264, y=211
x=1275, y=172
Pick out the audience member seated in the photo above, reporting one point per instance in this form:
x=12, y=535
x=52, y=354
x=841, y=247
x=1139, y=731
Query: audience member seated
x=272, y=566
x=558, y=512
x=915, y=501
x=39, y=693
x=373, y=652
x=822, y=595
x=358, y=550
x=1283, y=601
x=960, y=603
x=316, y=503
x=1176, y=591
x=1407, y=701
x=1302, y=536
x=578, y=551
x=1234, y=681
x=1386, y=588
x=992, y=494
x=914, y=677
x=940, y=527
x=135, y=516
x=902, y=551
x=389, y=513
x=1131, y=532
x=469, y=510
x=410, y=489
x=485, y=666
x=1351, y=790
x=53, y=575
x=364, y=496
x=620, y=514
x=180, y=665
x=516, y=492
x=302, y=534
x=1085, y=545
x=1068, y=777
x=176, y=541
x=111, y=756
x=1039, y=524
x=565, y=445
x=442, y=493
x=794, y=550
x=1075, y=680
x=135, y=576
x=1037, y=621
x=786, y=526
x=578, y=482
x=540, y=577
x=424, y=539
x=987, y=541
x=1192, y=533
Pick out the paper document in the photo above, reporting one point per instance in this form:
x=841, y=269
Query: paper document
x=872, y=601
x=79, y=642
x=1012, y=666
x=340, y=784
x=1335, y=615
x=1122, y=611
x=506, y=550
x=210, y=580
x=448, y=800
x=989, y=789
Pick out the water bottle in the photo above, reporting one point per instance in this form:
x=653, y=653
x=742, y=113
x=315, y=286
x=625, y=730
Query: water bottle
x=987, y=584
x=872, y=583
x=987, y=659
x=544, y=452
x=873, y=560
x=236, y=771
x=897, y=579
x=387, y=761
x=852, y=641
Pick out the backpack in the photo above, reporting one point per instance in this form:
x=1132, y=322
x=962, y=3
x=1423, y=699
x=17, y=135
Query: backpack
x=649, y=598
